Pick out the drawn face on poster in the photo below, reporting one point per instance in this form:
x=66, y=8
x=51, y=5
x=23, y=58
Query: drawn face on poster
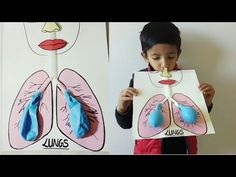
x=160, y=79
x=51, y=36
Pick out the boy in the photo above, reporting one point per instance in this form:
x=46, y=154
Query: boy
x=161, y=48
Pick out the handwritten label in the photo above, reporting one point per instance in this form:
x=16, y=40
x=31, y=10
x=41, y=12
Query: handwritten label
x=54, y=143
x=174, y=132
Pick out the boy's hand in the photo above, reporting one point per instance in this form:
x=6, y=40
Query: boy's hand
x=208, y=92
x=125, y=99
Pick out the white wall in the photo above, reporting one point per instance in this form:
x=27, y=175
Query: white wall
x=210, y=49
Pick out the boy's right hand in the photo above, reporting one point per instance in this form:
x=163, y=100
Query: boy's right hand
x=125, y=99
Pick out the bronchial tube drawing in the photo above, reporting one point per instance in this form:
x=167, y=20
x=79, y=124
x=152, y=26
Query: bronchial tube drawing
x=43, y=118
x=78, y=113
x=70, y=81
x=195, y=124
x=145, y=129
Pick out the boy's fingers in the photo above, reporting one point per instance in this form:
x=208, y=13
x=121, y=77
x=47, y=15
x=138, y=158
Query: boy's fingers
x=127, y=94
x=202, y=86
x=133, y=91
x=208, y=92
x=127, y=98
x=206, y=87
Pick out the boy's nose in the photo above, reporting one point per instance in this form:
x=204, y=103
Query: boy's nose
x=164, y=63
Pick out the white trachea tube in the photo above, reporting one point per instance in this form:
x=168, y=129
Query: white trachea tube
x=167, y=91
x=53, y=59
x=168, y=94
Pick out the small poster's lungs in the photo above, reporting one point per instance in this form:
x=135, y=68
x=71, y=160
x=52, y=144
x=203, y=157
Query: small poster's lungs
x=95, y=138
x=198, y=128
x=35, y=82
x=144, y=129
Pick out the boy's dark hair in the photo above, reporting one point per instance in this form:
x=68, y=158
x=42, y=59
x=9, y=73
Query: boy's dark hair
x=160, y=33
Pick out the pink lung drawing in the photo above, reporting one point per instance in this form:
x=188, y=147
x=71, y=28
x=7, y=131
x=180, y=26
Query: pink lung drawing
x=36, y=81
x=94, y=140
x=144, y=129
x=200, y=127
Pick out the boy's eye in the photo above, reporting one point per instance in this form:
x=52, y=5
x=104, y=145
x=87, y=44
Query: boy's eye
x=156, y=58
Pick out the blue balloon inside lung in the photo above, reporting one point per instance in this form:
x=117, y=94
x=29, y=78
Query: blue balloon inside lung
x=188, y=114
x=156, y=118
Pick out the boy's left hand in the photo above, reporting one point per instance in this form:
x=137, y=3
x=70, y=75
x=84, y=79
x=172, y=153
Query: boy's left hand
x=208, y=92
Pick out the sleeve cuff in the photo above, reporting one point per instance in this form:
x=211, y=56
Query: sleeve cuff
x=123, y=113
x=210, y=107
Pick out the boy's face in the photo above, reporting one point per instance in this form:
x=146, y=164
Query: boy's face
x=162, y=56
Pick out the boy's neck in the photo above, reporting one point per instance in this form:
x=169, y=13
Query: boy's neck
x=150, y=68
